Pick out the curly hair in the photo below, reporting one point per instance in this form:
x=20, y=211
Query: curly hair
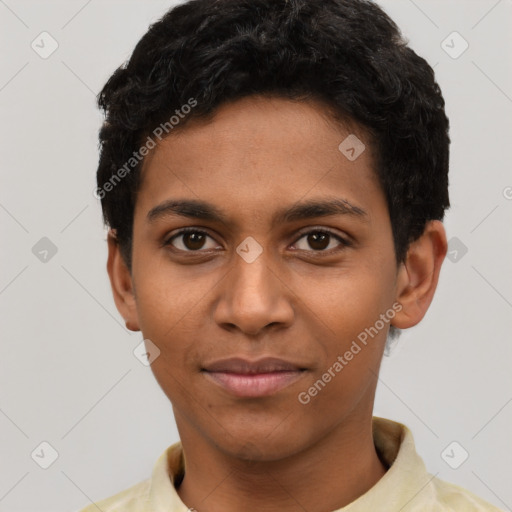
x=346, y=53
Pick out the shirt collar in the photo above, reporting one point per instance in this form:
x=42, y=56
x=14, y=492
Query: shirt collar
x=404, y=480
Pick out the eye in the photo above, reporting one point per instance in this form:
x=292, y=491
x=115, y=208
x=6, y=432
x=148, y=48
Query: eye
x=320, y=240
x=191, y=240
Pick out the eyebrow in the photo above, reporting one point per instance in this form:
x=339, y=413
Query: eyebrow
x=202, y=210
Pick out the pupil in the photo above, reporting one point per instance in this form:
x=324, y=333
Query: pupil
x=193, y=240
x=318, y=240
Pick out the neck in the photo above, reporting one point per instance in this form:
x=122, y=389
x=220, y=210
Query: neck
x=328, y=475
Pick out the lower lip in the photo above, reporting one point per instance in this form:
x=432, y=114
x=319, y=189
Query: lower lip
x=257, y=385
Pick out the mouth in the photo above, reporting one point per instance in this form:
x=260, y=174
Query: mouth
x=252, y=379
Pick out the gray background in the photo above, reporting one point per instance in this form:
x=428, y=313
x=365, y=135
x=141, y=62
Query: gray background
x=67, y=372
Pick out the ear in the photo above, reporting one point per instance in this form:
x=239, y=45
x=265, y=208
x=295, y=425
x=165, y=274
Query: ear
x=121, y=283
x=418, y=275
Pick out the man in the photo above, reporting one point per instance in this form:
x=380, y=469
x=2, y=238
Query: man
x=274, y=174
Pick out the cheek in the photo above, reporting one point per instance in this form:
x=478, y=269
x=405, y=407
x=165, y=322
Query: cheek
x=167, y=297
x=349, y=313
x=352, y=352
x=351, y=301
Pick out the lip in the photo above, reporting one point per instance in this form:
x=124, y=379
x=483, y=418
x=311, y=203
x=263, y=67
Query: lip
x=252, y=379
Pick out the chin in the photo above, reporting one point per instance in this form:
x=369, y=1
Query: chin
x=259, y=446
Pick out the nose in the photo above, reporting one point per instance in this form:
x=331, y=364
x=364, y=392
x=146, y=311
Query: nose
x=253, y=298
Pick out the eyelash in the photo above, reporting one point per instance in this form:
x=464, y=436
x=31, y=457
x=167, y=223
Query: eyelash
x=343, y=241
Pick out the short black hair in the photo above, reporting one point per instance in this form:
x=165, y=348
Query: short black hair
x=348, y=54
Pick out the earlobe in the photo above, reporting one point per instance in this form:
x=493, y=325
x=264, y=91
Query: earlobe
x=418, y=275
x=121, y=283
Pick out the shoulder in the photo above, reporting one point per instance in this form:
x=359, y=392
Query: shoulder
x=452, y=497
x=135, y=498
x=155, y=493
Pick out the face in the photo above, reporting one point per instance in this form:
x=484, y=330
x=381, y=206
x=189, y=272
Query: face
x=261, y=253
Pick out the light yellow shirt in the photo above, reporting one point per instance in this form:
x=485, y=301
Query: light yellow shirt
x=406, y=486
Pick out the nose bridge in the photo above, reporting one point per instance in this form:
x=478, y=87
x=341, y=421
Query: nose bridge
x=251, y=280
x=252, y=295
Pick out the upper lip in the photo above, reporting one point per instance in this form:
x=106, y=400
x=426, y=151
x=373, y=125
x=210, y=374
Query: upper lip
x=242, y=366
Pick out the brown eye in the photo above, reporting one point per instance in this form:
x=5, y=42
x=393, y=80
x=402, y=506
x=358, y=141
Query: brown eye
x=191, y=241
x=318, y=240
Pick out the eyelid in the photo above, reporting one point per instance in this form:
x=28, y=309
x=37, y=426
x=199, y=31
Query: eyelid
x=190, y=229
x=344, y=240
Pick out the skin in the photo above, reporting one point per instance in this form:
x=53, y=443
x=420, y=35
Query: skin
x=302, y=300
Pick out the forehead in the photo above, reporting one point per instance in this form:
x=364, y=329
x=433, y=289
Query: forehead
x=261, y=152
